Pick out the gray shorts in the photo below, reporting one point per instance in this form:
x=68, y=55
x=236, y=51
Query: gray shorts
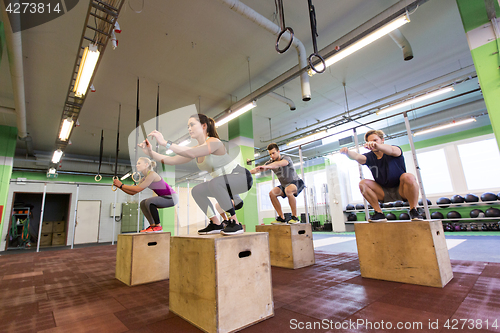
x=391, y=194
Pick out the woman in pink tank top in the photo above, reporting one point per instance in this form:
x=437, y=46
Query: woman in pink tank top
x=166, y=196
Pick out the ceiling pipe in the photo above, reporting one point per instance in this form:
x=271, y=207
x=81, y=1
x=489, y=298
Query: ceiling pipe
x=15, y=53
x=283, y=99
x=257, y=18
x=398, y=37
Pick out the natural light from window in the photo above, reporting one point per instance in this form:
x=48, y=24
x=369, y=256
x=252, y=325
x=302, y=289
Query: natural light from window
x=480, y=161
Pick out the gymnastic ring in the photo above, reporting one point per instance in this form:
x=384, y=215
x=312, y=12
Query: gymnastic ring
x=322, y=61
x=290, y=30
x=136, y=173
x=113, y=187
x=96, y=178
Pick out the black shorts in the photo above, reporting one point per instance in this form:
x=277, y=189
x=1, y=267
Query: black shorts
x=299, y=183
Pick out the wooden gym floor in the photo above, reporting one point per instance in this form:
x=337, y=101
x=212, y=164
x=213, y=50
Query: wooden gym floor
x=75, y=291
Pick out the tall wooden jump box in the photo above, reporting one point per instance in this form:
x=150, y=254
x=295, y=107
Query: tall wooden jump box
x=291, y=245
x=408, y=252
x=221, y=283
x=142, y=257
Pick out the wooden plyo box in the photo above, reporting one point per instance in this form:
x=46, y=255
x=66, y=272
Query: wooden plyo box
x=291, y=245
x=45, y=239
x=59, y=238
x=221, y=283
x=47, y=227
x=58, y=226
x=408, y=252
x=142, y=257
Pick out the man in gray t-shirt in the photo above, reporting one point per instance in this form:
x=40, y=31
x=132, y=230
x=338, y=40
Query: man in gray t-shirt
x=290, y=183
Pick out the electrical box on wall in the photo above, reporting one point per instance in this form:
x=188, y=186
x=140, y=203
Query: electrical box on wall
x=118, y=209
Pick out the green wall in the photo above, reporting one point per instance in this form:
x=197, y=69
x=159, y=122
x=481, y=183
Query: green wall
x=167, y=215
x=241, y=126
x=8, y=139
x=485, y=54
x=473, y=13
x=42, y=176
x=249, y=215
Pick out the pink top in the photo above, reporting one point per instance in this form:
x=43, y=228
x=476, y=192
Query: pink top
x=161, y=188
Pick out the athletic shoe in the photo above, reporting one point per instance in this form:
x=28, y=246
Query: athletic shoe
x=279, y=220
x=294, y=220
x=158, y=228
x=415, y=215
x=232, y=228
x=148, y=229
x=224, y=223
x=377, y=217
x=211, y=228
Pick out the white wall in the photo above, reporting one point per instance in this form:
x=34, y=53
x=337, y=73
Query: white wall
x=86, y=192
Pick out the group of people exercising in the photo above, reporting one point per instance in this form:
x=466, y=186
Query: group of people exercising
x=229, y=179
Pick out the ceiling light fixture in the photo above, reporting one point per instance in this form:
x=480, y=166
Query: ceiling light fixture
x=368, y=39
x=57, y=156
x=86, y=70
x=416, y=100
x=437, y=128
x=66, y=128
x=236, y=113
x=125, y=176
x=312, y=137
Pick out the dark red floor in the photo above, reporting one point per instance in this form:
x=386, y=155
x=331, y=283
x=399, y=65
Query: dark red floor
x=76, y=291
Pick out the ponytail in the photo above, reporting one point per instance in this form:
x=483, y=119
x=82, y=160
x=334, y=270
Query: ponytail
x=203, y=119
x=152, y=164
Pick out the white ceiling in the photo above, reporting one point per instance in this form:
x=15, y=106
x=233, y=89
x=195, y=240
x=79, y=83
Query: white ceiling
x=197, y=51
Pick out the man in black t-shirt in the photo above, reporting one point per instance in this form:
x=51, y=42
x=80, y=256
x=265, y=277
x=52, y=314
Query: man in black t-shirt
x=392, y=182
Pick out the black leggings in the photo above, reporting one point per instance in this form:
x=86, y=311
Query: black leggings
x=223, y=189
x=150, y=206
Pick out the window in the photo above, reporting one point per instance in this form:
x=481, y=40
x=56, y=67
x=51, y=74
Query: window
x=434, y=171
x=263, y=192
x=480, y=161
x=351, y=168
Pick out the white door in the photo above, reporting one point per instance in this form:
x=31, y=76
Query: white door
x=88, y=214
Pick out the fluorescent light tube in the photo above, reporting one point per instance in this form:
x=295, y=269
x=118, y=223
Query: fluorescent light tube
x=308, y=138
x=368, y=39
x=66, y=129
x=416, y=100
x=236, y=113
x=86, y=69
x=128, y=174
x=57, y=156
x=437, y=128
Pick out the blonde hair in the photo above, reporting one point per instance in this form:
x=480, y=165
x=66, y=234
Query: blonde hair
x=152, y=164
x=379, y=133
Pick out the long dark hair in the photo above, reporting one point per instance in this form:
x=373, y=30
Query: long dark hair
x=203, y=119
